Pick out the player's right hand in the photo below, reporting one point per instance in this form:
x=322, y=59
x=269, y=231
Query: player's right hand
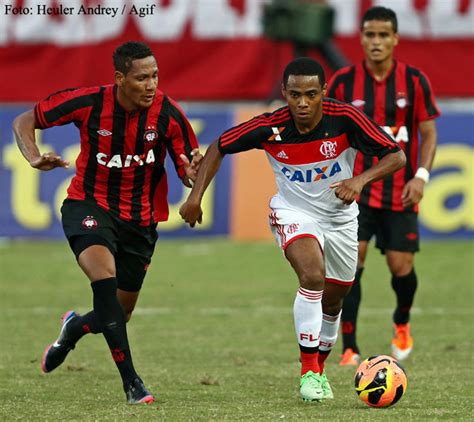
x=347, y=190
x=49, y=161
x=191, y=213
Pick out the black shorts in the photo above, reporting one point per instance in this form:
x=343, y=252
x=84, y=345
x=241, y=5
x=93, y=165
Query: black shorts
x=394, y=231
x=86, y=224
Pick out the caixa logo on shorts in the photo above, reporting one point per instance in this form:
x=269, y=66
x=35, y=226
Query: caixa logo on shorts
x=311, y=175
x=89, y=222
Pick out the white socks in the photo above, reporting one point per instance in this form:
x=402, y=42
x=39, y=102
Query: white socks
x=308, y=314
x=329, y=331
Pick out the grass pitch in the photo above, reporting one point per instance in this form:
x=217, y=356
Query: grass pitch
x=213, y=338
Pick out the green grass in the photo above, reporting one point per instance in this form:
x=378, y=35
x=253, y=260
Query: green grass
x=213, y=338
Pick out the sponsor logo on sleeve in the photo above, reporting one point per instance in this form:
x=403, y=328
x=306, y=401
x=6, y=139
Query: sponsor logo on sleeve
x=276, y=134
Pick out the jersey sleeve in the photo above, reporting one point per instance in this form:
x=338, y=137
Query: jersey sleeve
x=426, y=107
x=181, y=137
x=335, y=87
x=246, y=136
x=366, y=136
x=63, y=107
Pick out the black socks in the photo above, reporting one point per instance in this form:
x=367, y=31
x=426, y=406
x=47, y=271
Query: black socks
x=405, y=288
x=111, y=318
x=350, y=309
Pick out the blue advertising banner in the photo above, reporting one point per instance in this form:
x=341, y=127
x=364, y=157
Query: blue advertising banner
x=30, y=199
x=447, y=209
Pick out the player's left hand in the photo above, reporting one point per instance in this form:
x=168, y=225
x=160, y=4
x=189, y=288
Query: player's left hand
x=413, y=192
x=191, y=168
x=347, y=190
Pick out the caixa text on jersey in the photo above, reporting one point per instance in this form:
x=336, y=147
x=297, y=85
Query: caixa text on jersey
x=129, y=160
x=311, y=175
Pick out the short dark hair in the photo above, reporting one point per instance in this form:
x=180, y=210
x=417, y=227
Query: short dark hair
x=304, y=66
x=380, y=13
x=125, y=54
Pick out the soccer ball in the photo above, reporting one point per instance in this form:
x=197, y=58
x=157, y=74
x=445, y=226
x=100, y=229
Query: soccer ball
x=380, y=381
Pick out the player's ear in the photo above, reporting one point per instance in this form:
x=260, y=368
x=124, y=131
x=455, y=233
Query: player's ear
x=119, y=78
x=325, y=88
x=283, y=90
x=397, y=39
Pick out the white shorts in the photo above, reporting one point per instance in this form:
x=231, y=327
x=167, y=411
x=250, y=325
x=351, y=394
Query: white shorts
x=338, y=242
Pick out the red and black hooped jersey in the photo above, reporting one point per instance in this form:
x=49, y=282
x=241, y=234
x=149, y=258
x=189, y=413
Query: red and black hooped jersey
x=398, y=104
x=121, y=162
x=305, y=165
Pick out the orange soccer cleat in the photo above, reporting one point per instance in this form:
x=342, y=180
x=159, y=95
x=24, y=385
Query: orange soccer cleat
x=402, y=342
x=349, y=357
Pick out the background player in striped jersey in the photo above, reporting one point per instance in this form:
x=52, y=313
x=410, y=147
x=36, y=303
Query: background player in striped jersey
x=399, y=98
x=311, y=145
x=118, y=195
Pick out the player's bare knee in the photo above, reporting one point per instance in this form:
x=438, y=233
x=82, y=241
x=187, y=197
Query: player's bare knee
x=312, y=279
x=400, y=269
x=400, y=264
x=96, y=274
x=332, y=306
x=97, y=263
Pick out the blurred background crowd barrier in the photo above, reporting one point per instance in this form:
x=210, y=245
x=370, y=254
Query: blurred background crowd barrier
x=222, y=60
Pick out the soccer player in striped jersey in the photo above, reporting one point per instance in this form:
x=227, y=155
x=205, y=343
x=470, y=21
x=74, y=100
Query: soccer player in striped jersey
x=117, y=196
x=311, y=145
x=399, y=98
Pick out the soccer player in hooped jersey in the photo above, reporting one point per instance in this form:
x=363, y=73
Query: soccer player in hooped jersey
x=399, y=98
x=311, y=144
x=118, y=195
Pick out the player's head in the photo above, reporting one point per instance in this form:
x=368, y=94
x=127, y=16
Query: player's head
x=304, y=87
x=379, y=33
x=136, y=75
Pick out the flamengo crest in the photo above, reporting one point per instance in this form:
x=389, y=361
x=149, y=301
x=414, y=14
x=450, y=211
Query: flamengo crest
x=328, y=149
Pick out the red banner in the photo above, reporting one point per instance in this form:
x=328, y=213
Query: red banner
x=207, y=49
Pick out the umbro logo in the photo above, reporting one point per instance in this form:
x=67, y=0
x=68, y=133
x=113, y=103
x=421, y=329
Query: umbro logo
x=104, y=132
x=283, y=155
x=358, y=103
x=276, y=134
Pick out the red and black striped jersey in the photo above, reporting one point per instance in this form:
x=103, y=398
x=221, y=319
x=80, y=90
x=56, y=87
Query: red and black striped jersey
x=121, y=161
x=398, y=104
x=305, y=165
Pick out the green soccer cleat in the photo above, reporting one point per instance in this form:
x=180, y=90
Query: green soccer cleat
x=311, y=387
x=327, y=390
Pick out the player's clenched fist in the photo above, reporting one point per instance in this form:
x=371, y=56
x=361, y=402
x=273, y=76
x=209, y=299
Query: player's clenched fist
x=347, y=190
x=191, y=213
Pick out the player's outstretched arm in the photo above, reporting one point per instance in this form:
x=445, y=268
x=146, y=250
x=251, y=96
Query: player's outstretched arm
x=348, y=190
x=191, y=211
x=24, y=130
